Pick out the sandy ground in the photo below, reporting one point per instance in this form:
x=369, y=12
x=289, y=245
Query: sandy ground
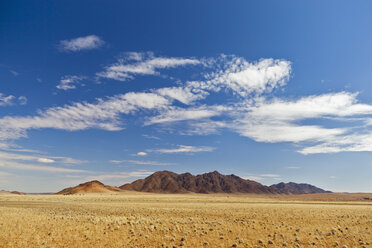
x=188, y=220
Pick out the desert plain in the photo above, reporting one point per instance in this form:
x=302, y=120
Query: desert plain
x=133, y=219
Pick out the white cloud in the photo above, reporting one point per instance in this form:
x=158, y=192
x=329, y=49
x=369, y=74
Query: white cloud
x=46, y=160
x=12, y=100
x=142, y=64
x=206, y=127
x=19, y=161
x=6, y=100
x=180, y=114
x=69, y=82
x=270, y=175
x=141, y=153
x=244, y=78
x=116, y=161
x=354, y=142
x=293, y=167
x=35, y=167
x=140, y=162
x=332, y=104
x=150, y=136
x=79, y=116
x=250, y=110
x=185, y=149
x=185, y=95
x=22, y=100
x=38, y=158
x=253, y=178
x=67, y=160
x=81, y=43
x=279, y=120
x=273, y=132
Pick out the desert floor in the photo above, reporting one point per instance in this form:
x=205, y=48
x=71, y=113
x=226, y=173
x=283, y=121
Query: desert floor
x=189, y=220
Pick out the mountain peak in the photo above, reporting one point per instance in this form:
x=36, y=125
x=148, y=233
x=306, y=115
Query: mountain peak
x=298, y=188
x=212, y=182
x=89, y=187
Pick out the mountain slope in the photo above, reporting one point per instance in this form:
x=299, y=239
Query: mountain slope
x=89, y=187
x=212, y=182
x=297, y=188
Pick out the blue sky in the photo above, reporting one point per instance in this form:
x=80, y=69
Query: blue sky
x=115, y=90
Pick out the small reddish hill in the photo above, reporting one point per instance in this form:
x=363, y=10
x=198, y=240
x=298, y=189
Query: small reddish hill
x=297, y=188
x=213, y=182
x=89, y=187
x=5, y=192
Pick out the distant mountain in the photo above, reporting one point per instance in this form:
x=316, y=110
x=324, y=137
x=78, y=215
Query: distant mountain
x=89, y=187
x=212, y=182
x=5, y=192
x=297, y=188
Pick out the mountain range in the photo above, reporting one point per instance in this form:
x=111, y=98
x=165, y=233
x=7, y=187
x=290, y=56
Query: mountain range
x=213, y=182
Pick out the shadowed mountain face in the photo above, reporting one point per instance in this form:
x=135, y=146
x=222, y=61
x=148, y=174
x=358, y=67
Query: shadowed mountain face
x=89, y=187
x=212, y=182
x=297, y=188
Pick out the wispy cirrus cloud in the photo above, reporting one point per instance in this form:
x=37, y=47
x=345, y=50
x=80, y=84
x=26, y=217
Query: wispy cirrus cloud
x=104, y=114
x=185, y=149
x=6, y=100
x=40, y=158
x=37, y=167
x=270, y=175
x=140, y=162
x=279, y=120
x=246, y=105
x=150, y=137
x=69, y=82
x=185, y=95
x=293, y=167
x=142, y=64
x=253, y=178
x=12, y=100
x=175, y=114
x=81, y=43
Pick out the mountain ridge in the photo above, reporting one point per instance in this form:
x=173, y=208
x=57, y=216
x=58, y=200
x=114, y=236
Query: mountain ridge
x=213, y=182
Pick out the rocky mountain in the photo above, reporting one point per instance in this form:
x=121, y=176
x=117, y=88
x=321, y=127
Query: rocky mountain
x=89, y=187
x=297, y=188
x=212, y=182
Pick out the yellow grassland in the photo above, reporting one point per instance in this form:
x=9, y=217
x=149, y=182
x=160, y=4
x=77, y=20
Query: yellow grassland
x=187, y=220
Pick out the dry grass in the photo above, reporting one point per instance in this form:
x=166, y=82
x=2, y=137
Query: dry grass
x=151, y=220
